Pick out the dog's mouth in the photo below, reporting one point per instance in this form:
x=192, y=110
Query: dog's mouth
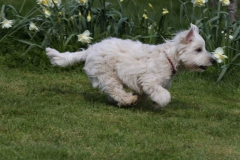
x=203, y=67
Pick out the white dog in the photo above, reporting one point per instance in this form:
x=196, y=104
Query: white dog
x=147, y=70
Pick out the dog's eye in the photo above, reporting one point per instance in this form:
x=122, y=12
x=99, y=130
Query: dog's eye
x=199, y=50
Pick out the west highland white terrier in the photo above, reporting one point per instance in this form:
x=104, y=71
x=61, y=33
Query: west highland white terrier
x=146, y=70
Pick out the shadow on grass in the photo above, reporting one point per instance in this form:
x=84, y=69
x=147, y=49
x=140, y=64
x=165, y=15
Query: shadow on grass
x=145, y=106
x=95, y=96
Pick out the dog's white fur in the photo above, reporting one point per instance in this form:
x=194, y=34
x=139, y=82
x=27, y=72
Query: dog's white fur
x=147, y=70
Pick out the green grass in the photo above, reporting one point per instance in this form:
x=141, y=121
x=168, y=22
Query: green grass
x=55, y=114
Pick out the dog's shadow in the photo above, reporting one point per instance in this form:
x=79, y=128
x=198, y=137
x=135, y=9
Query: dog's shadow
x=145, y=106
x=96, y=97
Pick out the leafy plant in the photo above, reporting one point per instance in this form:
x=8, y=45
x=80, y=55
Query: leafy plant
x=60, y=25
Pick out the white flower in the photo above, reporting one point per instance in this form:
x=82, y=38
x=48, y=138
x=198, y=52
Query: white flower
x=165, y=11
x=225, y=2
x=32, y=26
x=150, y=27
x=229, y=36
x=84, y=37
x=145, y=16
x=7, y=23
x=47, y=3
x=57, y=2
x=89, y=17
x=150, y=5
x=47, y=12
x=82, y=2
x=219, y=55
x=121, y=0
x=199, y=3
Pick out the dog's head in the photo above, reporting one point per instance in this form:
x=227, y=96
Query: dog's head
x=192, y=52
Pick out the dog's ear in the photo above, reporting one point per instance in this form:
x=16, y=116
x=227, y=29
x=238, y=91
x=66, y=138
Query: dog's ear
x=195, y=28
x=189, y=36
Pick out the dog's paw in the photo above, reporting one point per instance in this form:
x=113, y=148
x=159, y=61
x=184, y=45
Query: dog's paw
x=129, y=101
x=162, y=100
x=157, y=107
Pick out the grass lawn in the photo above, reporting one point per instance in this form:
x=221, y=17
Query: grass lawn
x=55, y=114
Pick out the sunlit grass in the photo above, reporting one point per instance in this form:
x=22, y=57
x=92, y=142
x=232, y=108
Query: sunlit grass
x=57, y=115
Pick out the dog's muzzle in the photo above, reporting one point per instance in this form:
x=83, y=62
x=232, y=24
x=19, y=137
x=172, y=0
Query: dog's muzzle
x=212, y=61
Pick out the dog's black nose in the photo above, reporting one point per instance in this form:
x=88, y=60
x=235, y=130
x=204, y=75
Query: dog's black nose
x=213, y=61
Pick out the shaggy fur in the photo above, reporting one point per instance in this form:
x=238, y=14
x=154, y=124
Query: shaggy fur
x=147, y=70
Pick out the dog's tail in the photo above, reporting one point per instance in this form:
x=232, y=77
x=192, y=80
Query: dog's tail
x=65, y=59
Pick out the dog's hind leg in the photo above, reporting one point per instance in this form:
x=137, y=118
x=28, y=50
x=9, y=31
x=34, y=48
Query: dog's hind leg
x=158, y=94
x=115, y=90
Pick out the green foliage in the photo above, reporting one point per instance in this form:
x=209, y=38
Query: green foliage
x=67, y=20
x=126, y=19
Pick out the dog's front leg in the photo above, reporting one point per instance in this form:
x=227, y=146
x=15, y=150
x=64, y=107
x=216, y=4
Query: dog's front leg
x=158, y=94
